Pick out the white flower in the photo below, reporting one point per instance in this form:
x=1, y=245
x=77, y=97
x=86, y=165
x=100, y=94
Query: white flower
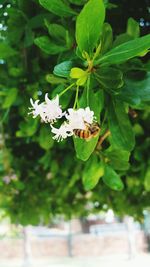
x=37, y=109
x=88, y=115
x=77, y=118
x=63, y=132
x=52, y=109
x=49, y=111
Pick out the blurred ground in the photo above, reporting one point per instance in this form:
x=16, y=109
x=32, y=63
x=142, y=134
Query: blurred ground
x=105, y=245
x=111, y=261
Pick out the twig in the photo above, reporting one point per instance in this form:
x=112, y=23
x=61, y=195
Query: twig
x=102, y=138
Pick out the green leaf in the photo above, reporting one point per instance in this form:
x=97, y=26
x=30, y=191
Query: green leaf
x=92, y=172
x=136, y=92
x=47, y=46
x=89, y=24
x=120, y=127
x=84, y=148
x=38, y=20
x=122, y=38
x=27, y=128
x=147, y=180
x=63, y=69
x=96, y=101
x=112, y=179
x=118, y=159
x=10, y=98
x=110, y=5
x=125, y=51
x=58, y=7
x=56, y=31
x=50, y=78
x=6, y=51
x=133, y=28
x=79, y=74
x=107, y=38
x=77, y=2
x=133, y=31
x=44, y=139
x=109, y=77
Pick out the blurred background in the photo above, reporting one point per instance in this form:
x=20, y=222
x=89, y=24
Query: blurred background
x=96, y=240
x=54, y=222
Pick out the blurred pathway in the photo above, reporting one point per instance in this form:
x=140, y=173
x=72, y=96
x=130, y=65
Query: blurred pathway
x=114, y=261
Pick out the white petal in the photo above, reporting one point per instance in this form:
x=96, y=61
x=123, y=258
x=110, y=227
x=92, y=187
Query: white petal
x=88, y=115
x=56, y=100
x=47, y=100
x=62, y=133
x=31, y=101
x=75, y=119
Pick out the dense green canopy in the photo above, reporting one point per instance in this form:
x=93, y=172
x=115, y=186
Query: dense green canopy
x=45, y=46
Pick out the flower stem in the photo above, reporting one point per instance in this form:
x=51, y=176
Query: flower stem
x=76, y=97
x=87, y=90
x=66, y=89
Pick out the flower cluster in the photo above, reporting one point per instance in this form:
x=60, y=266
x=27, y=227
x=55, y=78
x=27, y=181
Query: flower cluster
x=50, y=111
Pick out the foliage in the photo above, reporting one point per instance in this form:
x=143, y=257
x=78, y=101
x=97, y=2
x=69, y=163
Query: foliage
x=39, y=177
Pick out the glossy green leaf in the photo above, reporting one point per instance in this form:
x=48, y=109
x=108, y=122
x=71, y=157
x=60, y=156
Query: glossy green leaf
x=92, y=172
x=109, y=5
x=132, y=32
x=80, y=75
x=125, y=51
x=58, y=7
x=50, y=78
x=56, y=31
x=96, y=101
x=120, y=127
x=112, y=179
x=133, y=28
x=117, y=158
x=122, y=38
x=89, y=25
x=84, y=148
x=136, y=92
x=38, y=20
x=109, y=77
x=78, y=2
x=63, y=69
x=107, y=38
x=48, y=46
